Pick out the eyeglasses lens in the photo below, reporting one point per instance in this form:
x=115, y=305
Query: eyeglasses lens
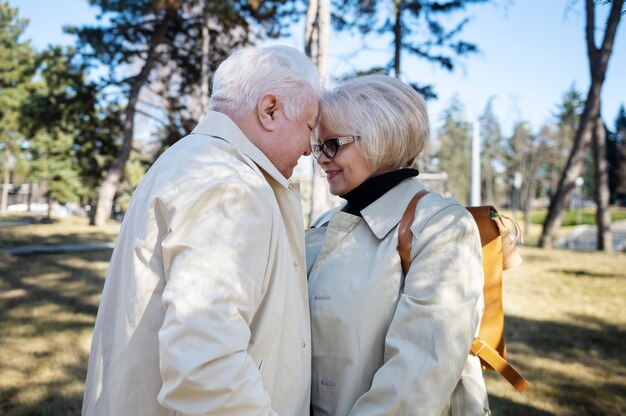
x=330, y=147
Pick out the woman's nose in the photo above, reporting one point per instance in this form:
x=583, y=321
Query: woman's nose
x=323, y=159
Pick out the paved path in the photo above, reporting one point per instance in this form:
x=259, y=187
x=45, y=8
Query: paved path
x=14, y=223
x=60, y=248
x=584, y=237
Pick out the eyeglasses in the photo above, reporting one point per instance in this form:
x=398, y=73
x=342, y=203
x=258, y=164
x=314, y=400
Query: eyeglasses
x=330, y=147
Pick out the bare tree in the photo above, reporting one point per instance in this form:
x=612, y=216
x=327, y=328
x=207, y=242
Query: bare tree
x=598, y=63
x=601, y=175
x=317, y=46
x=114, y=175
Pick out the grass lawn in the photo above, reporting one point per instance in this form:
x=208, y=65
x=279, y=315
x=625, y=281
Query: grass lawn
x=573, y=217
x=565, y=327
x=59, y=231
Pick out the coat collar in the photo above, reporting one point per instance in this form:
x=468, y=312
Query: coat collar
x=219, y=125
x=386, y=212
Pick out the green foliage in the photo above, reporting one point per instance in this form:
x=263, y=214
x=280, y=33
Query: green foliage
x=493, y=162
x=51, y=166
x=616, y=157
x=159, y=44
x=525, y=152
x=571, y=217
x=70, y=143
x=567, y=116
x=16, y=70
x=131, y=26
x=426, y=29
x=453, y=155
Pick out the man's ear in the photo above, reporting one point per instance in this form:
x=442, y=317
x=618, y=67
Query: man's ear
x=267, y=109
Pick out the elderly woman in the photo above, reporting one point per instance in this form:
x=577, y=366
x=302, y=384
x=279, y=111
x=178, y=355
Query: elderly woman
x=384, y=343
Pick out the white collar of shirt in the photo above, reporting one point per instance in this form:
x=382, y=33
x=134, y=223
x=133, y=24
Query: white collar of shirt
x=220, y=125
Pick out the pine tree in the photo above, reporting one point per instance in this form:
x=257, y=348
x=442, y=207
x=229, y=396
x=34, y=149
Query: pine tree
x=60, y=113
x=16, y=70
x=453, y=155
x=161, y=40
x=426, y=29
x=616, y=158
x=492, y=157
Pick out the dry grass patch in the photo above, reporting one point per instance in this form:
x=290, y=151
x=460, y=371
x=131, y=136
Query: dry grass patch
x=71, y=230
x=47, y=311
x=565, y=332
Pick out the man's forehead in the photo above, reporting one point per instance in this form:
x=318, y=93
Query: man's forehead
x=313, y=112
x=315, y=118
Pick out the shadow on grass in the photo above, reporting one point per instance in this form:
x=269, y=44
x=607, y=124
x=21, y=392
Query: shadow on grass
x=53, y=403
x=584, y=273
x=560, y=360
x=593, y=341
x=8, y=239
x=19, y=273
x=48, y=306
x=501, y=407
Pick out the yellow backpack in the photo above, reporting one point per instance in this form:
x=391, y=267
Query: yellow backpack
x=499, y=253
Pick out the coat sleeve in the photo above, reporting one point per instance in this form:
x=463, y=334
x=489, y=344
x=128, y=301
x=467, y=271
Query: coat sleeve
x=436, y=319
x=215, y=258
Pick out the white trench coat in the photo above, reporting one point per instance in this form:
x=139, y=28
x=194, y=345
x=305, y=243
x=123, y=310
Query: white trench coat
x=204, y=310
x=384, y=345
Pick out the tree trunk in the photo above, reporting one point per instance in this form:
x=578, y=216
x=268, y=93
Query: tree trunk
x=529, y=183
x=204, y=76
x=310, y=29
x=49, y=201
x=323, y=39
x=562, y=196
x=6, y=179
x=601, y=175
x=598, y=63
x=92, y=213
x=317, y=46
x=397, y=37
x=29, y=198
x=114, y=176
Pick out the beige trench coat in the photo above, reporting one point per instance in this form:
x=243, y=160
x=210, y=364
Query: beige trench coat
x=387, y=346
x=204, y=309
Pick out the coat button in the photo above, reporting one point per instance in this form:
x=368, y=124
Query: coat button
x=303, y=344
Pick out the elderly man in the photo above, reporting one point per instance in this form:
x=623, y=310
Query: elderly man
x=204, y=309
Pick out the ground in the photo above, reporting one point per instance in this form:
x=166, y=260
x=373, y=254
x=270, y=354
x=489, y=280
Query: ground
x=565, y=326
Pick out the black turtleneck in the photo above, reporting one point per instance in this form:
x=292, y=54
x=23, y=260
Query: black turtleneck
x=373, y=188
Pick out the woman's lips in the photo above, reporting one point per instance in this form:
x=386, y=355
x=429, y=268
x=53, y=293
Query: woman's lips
x=330, y=174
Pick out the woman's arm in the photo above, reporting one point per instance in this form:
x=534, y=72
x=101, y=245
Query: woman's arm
x=436, y=319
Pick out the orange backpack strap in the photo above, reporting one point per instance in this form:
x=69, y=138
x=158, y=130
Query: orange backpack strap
x=483, y=350
x=404, y=233
x=492, y=231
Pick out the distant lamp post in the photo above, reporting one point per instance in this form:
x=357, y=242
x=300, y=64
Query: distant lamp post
x=517, y=181
x=579, y=182
x=475, y=167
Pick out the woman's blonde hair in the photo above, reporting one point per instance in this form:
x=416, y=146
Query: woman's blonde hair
x=389, y=116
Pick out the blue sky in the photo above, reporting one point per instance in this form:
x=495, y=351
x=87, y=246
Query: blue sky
x=530, y=55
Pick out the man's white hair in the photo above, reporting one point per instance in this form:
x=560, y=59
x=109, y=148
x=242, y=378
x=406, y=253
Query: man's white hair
x=247, y=74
